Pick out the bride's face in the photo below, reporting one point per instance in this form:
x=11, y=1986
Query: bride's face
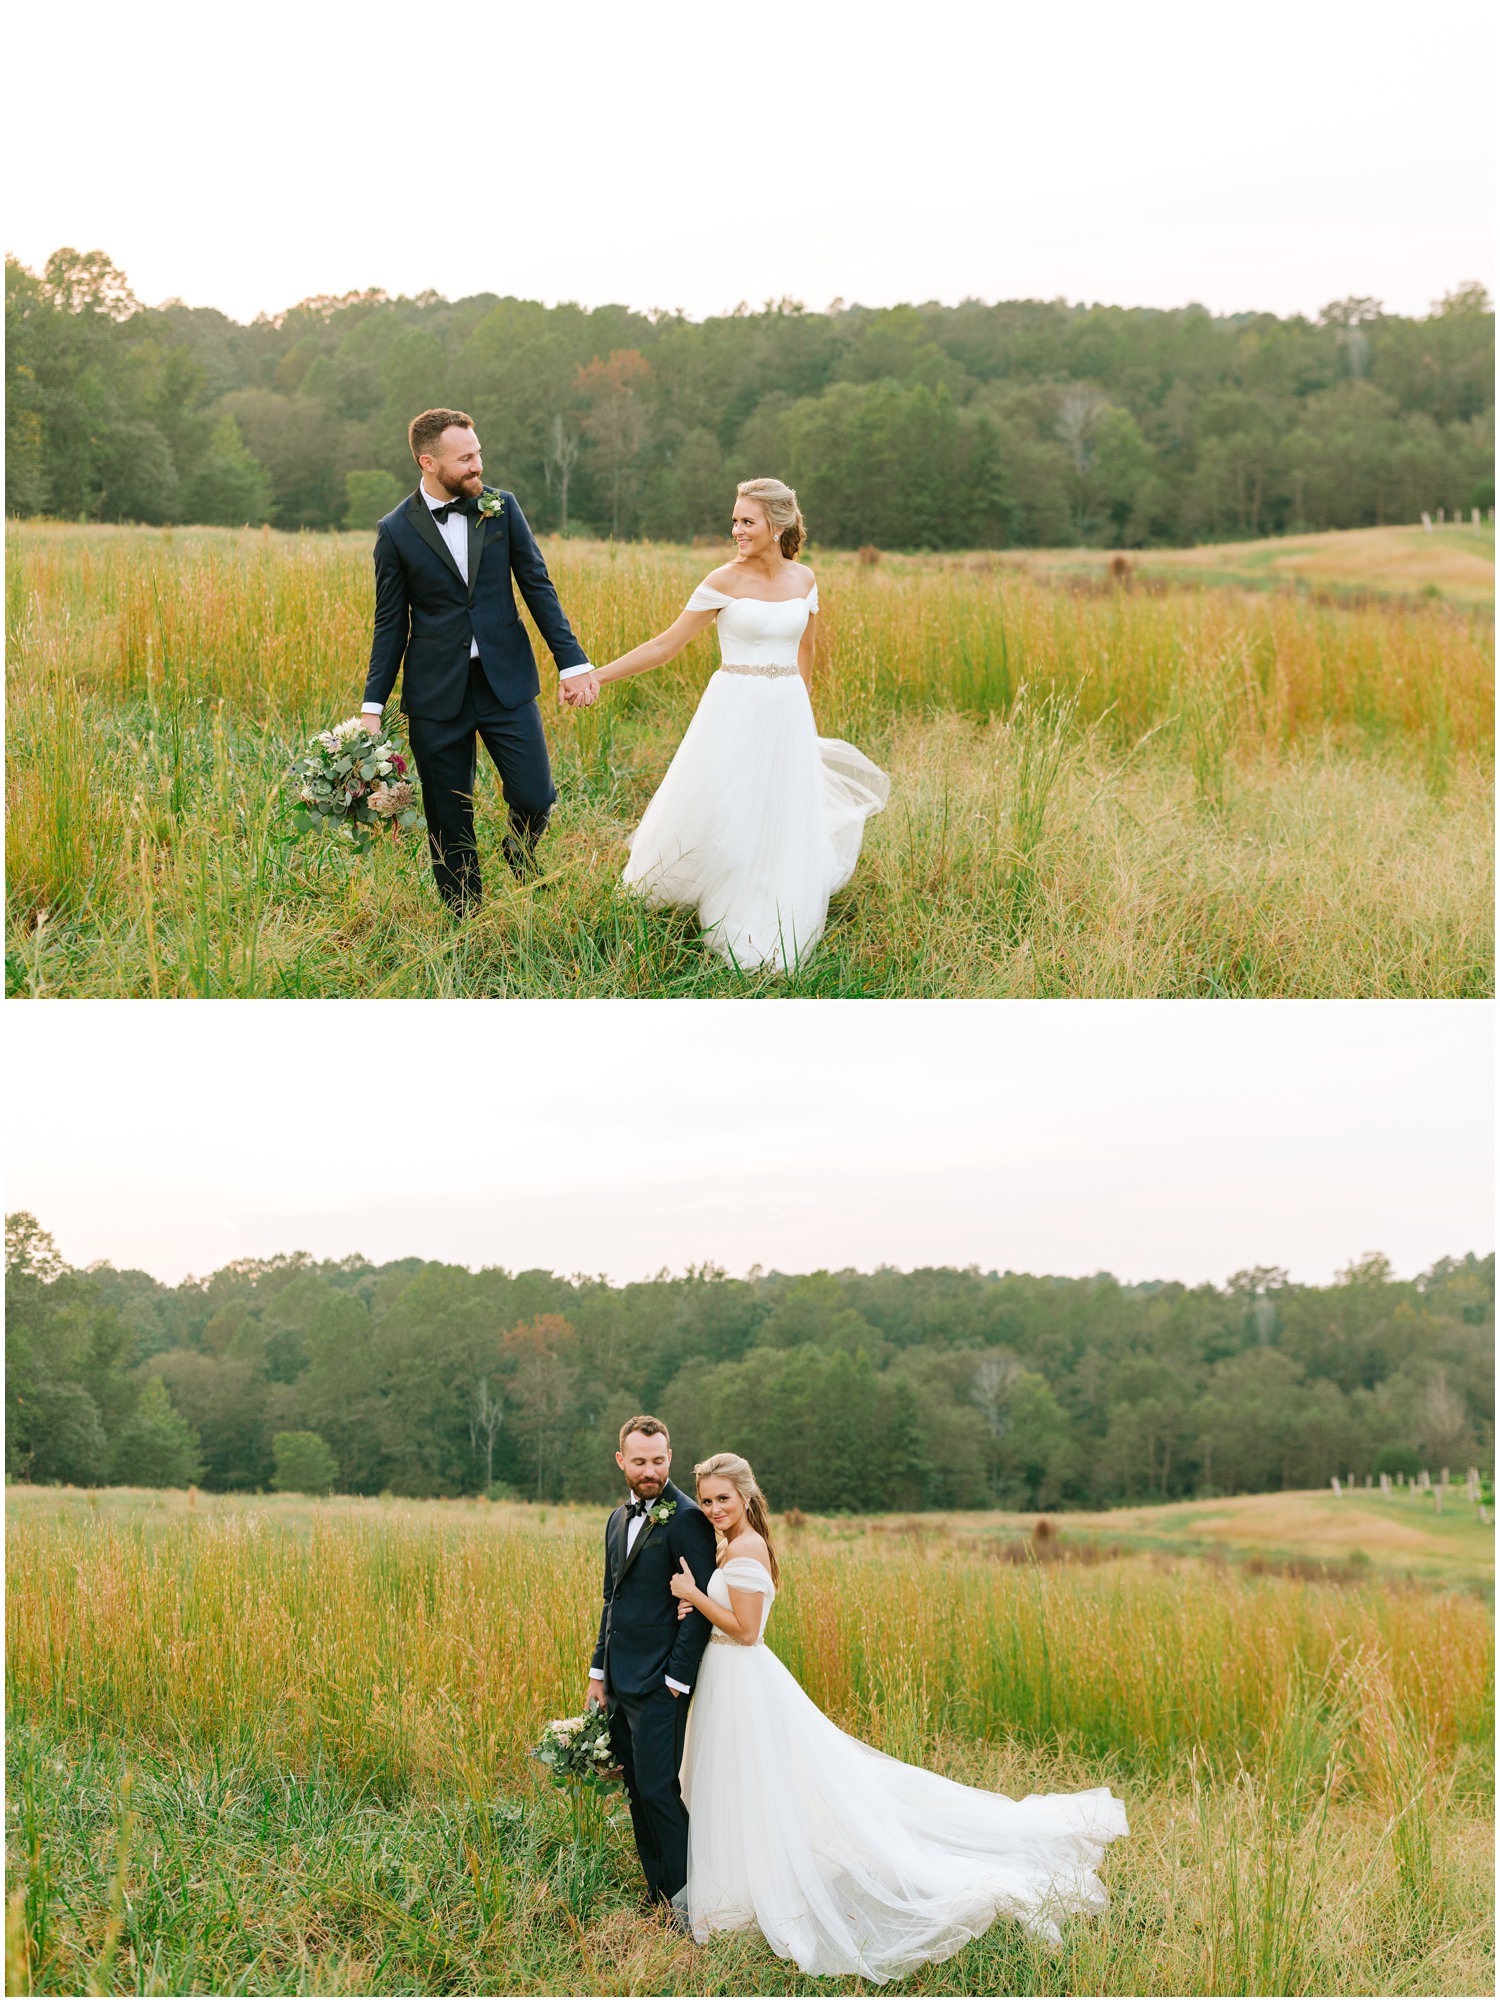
x=721, y=1504
x=750, y=529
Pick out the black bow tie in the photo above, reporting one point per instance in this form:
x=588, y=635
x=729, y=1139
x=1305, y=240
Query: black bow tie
x=462, y=506
x=637, y=1507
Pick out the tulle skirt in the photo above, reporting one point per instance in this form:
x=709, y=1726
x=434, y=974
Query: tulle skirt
x=757, y=822
x=850, y=1862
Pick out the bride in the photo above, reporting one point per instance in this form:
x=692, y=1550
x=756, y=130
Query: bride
x=759, y=819
x=849, y=1862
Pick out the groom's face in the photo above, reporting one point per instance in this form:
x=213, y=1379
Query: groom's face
x=456, y=463
x=645, y=1460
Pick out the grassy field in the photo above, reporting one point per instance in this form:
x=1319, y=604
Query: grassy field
x=1401, y=1536
x=1098, y=789
x=271, y=1744
x=1455, y=562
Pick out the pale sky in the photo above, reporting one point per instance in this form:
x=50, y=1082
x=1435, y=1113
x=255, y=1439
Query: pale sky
x=676, y=155
x=1173, y=1140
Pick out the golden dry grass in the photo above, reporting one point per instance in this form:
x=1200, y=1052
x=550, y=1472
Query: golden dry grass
x=1094, y=792
x=1455, y=561
x=272, y=1744
x=1401, y=1533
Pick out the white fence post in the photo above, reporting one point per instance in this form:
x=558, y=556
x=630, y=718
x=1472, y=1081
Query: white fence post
x=1334, y=1483
x=1426, y=521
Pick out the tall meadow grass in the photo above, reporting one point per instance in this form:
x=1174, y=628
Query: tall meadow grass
x=1103, y=790
x=286, y=1747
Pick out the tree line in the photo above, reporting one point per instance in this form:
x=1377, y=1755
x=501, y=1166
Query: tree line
x=972, y=426
x=847, y=1391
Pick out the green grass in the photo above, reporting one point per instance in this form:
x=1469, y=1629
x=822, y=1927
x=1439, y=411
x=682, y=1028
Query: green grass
x=1095, y=793
x=1454, y=562
x=1400, y=1537
x=269, y=1745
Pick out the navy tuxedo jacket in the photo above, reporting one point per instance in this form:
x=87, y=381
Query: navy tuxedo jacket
x=641, y=1639
x=426, y=616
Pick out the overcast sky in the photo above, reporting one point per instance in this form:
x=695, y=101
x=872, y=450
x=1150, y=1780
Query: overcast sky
x=677, y=155
x=1152, y=1139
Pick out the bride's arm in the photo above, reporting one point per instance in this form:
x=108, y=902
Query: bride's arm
x=806, y=649
x=666, y=646
x=740, y=1619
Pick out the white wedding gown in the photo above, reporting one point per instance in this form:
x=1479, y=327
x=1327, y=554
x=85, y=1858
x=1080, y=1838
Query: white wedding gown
x=850, y=1862
x=758, y=819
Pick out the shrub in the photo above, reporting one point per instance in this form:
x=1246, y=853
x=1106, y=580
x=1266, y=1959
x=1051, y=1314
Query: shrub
x=304, y=1465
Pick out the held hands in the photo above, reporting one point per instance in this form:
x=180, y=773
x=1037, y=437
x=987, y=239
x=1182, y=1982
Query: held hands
x=579, y=691
x=684, y=1588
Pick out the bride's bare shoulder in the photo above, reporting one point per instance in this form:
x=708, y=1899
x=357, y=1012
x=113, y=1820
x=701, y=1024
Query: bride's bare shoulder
x=749, y=1543
x=719, y=580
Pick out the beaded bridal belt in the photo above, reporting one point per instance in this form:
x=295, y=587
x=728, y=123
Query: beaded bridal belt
x=739, y=667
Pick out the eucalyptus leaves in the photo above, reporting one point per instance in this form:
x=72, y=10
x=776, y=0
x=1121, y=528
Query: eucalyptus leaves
x=576, y=1751
x=350, y=779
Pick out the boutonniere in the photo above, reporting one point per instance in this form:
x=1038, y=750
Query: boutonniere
x=491, y=504
x=661, y=1511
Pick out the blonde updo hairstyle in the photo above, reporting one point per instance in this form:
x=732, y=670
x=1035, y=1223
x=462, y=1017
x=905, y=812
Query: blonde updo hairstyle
x=739, y=1474
x=782, y=511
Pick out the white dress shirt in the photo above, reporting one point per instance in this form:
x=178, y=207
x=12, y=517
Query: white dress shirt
x=455, y=532
x=632, y=1530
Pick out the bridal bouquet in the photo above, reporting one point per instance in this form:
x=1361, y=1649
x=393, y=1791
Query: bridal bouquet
x=576, y=1751
x=350, y=779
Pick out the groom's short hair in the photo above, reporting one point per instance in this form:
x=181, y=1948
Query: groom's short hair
x=650, y=1426
x=424, y=431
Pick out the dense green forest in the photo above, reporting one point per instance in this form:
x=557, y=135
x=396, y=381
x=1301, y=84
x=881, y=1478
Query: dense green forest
x=971, y=426
x=849, y=1390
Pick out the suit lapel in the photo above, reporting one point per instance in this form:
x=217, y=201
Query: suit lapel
x=618, y=1534
x=476, y=550
x=419, y=514
x=647, y=1528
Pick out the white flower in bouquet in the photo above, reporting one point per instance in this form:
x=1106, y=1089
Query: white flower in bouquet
x=353, y=782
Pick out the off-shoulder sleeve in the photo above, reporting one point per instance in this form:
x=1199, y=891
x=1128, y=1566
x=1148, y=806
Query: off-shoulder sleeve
x=706, y=599
x=811, y=600
x=745, y=1575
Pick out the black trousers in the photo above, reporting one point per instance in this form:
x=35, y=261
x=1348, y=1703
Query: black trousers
x=647, y=1733
x=447, y=763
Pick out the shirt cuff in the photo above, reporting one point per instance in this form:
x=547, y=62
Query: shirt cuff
x=682, y=1688
x=567, y=673
x=371, y=708
x=596, y=1675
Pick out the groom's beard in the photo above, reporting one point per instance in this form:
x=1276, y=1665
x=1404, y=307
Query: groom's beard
x=648, y=1489
x=468, y=486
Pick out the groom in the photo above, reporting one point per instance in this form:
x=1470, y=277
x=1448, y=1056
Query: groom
x=647, y=1660
x=446, y=620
